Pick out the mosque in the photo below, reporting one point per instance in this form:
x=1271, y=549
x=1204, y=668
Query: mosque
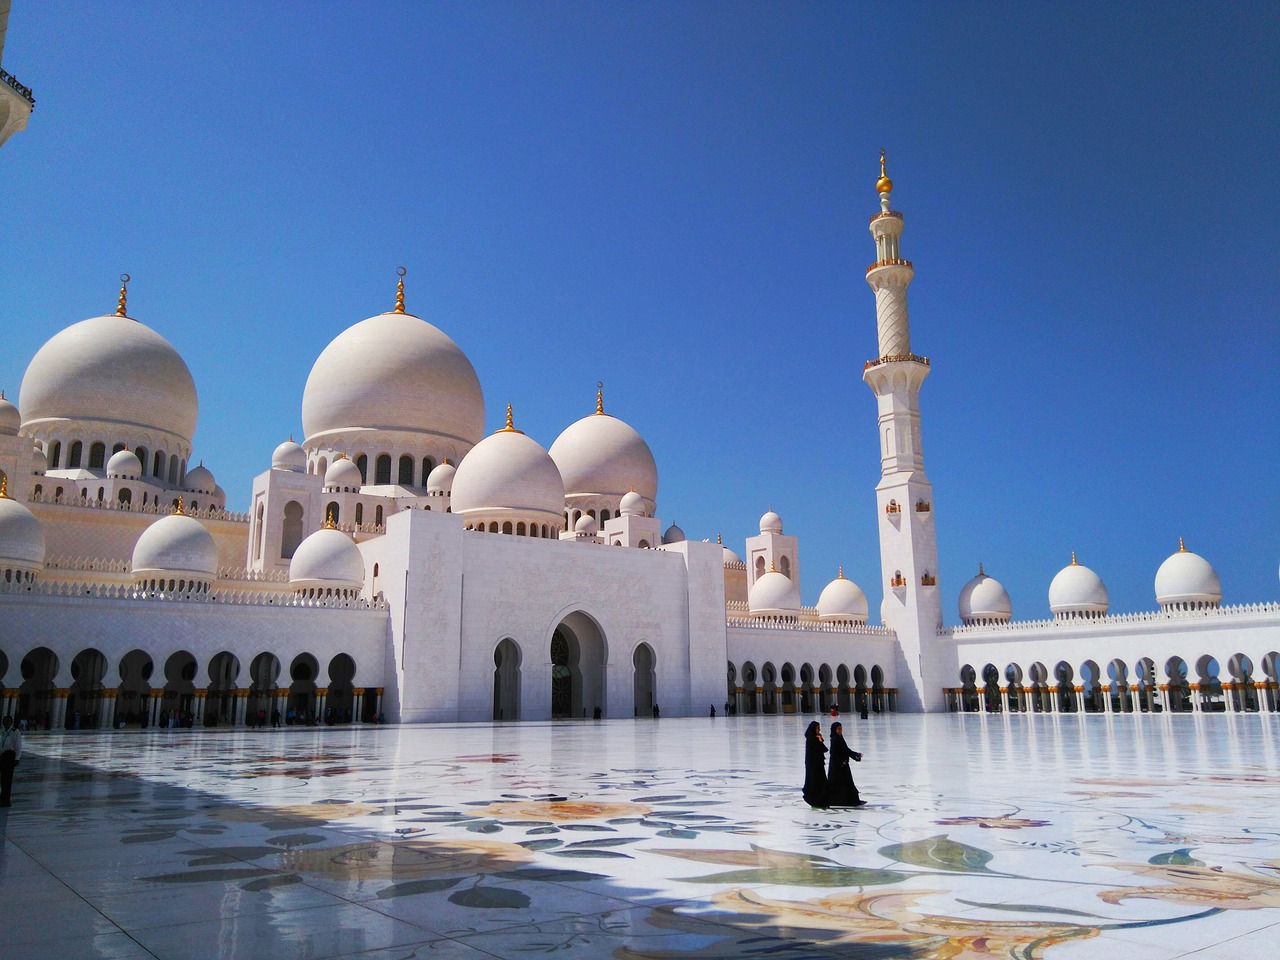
x=398, y=565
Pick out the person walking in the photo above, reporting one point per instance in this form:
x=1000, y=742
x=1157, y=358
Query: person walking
x=815, y=767
x=10, y=754
x=841, y=790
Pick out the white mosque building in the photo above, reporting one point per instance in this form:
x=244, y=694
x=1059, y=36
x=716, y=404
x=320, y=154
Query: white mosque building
x=397, y=564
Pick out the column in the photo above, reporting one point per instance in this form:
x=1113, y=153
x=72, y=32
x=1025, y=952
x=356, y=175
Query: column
x=322, y=693
x=357, y=704
x=60, y=708
x=154, y=705
x=107, y=709
x=197, y=710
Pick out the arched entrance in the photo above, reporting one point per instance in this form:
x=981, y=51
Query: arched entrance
x=36, y=694
x=84, y=704
x=302, y=690
x=644, y=683
x=220, y=698
x=340, y=701
x=506, y=680
x=578, y=657
x=261, y=707
x=133, y=702
x=179, y=689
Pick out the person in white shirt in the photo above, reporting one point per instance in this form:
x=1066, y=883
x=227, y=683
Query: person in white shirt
x=10, y=754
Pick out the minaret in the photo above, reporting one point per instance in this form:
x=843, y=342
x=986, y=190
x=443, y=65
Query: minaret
x=908, y=545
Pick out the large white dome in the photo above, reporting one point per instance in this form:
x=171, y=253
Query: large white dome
x=175, y=546
x=842, y=600
x=773, y=595
x=327, y=560
x=1187, y=581
x=393, y=372
x=508, y=476
x=1078, y=591
x=602, y=456
x=112, y=371
x=21, y=539
x=984, y=599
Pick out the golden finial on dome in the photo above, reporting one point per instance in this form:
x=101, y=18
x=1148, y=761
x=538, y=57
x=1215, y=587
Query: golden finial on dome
x=840, y=572
x=980, y=573
x=773, y=566
x=329, y=522
x=511, y=426
x=599, y=397
x=1, y=394
x=400, y=290
x=884, y=184
x=4, y=488
x=718, y=540
x=1073, y=559
x=1182, y=547
x=124, y=293
x=177, y=511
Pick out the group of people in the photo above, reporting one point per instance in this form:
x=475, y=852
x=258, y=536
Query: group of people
x=829, y=782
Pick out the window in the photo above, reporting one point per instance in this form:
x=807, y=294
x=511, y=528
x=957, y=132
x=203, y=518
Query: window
x=291, y=531
x=73, y=459
x=405, y=477
x=157, y=468
x=141, y=454
x=383, y=474
x=97, y=455
x=362, y=462
x=359, y=513
x=56, y=460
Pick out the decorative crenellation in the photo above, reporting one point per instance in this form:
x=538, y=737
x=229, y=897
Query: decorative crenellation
x=202, y=513
x=249, y=598
x=895, y=358
x=792, y=623
x=1096, y=623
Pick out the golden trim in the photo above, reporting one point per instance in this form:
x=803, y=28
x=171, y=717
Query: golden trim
x=400, y=291
x=124, y=292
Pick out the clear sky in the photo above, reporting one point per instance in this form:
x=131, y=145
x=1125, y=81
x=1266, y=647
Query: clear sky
x=673, y=198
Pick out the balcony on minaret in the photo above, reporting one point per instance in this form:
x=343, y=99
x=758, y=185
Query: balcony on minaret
x=923, y=506
x=895, y=358
x=892, y=507
x=898, y=580
x=890, y=262
x=928, y=580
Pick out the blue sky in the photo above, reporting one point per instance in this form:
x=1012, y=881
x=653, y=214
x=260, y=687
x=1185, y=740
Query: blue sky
x=673, y=198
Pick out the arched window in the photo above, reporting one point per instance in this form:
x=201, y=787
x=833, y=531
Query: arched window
x=377, y=515
x=362, y=463
x=56, y=459
x=97, y=455
x=157, y=465
x=141, y=453
x=73, y=459
x=384, y=468
x=427, y=466
x=291, y=530
x=604, y=516
x=332, y=512
x=784, y=566
x=117, y=447
x=39, y=489
x=760, y=569
x=125, y=496
x=257, y=527
x=406, y=471
x=359, y=513
x=506, y=528
x=173, y=469
x=520, y=529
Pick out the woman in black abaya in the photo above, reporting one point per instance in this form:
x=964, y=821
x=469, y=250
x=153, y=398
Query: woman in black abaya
x=841, y=791
x=815, y=767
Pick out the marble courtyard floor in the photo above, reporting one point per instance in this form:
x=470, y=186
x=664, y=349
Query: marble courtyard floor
x=1135, y=837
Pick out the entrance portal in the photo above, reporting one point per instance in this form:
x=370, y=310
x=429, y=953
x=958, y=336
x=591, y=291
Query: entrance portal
x=577, y=667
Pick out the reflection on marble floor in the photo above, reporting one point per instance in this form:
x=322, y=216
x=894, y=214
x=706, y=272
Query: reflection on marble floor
x=986, y=836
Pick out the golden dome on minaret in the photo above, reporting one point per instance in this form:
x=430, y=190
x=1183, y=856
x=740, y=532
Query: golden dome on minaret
x=884, y=184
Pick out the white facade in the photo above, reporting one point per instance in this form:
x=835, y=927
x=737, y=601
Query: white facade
x=397, y=564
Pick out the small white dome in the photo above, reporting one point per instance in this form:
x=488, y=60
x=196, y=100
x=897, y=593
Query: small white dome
x=1078, y=590
x=984, y=598
x=343, y=474
x=586, y=526
x=508, y=476
x=729, y=556
x=21, y=538
x=632, y=505
x=289, y=456
x=39, y=462
x=10, y=418
x=773, y=595
x=327, y=560
x=601, y=456
x=673, y=535
x=1187, y=581
x=440, y=480
x=175, y=546
x=771, y=523
x=125, y=465
x=842, y=600
x=199, y=480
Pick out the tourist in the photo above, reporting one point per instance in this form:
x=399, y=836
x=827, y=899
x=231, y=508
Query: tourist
x=841, y=790
x=713, y=711
x=815, y=767
x=10, y=754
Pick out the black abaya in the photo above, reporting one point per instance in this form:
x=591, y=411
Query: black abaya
x=841, y=791
x=815, y=772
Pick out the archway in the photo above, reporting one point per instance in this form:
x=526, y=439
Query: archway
x=644, y=682
x=1175, y=670
x=261, y=708
x=749, y=687
x=860, y=688
x=788, y=688
x=1013, y=688
x=806, y=688
x=36, y=693
x=220, y=696
x=1244, y=696
x=769, y=681
x=970, y=702
x=878, y=704
x=1065, y=677
x=506, y=681
x=1091, y=680
x=843, y=700
x=731, y=704
x=578, y=657
x=991, y=688
x=1210, y=684
x=1271, y=670
x=339, y=702
x=303, y=672
x=133, y=702
x=1118, y=672
x=1148, y=686
x=179, y=689
x=84, y=701
x=1040, y=702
